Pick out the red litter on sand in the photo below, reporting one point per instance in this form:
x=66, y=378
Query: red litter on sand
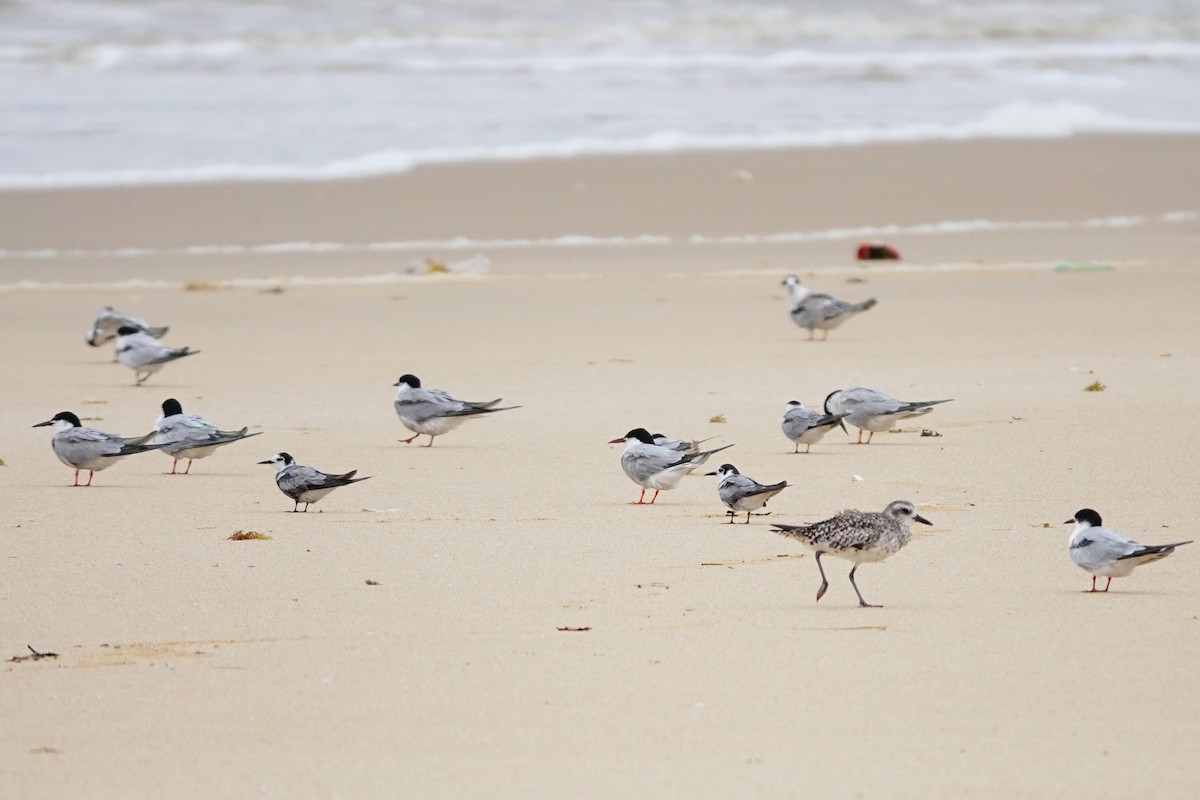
x=877, y=252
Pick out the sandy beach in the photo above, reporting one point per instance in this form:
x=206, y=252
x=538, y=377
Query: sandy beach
x=623, y=292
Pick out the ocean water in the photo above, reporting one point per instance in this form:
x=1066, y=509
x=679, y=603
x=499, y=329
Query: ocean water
x=96, y=92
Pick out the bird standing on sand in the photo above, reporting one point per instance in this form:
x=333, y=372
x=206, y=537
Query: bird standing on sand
x=88, y=448
x=143, y=354
x=743, y=493
x=872, y=410
x=857, y=536
x=805, y=426
x=1104, y=552
x=306, y=484
x=433, y=412
x=187, y=436
x=654, y=467
x=817, y=311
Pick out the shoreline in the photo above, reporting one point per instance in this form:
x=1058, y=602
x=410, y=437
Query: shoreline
x=491, y=616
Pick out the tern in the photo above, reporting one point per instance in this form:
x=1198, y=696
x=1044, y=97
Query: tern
x=433, y=412
x=88, y=448
x=743, y=493
x=805, y=426
x=306, y=484
x=654, y=467
x=817, y=311
x=109, y=320
x=182, y=435
x=872, y=410
x=1104, y=552
x=143, y=354
x=688, y=446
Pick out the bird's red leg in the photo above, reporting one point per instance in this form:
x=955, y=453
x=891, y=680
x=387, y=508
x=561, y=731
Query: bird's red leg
x=76, y=483
x=189, y=467
x=174, y=461
x=90, y=474
x=652, y=499
x=1108, y=584
x=1089, y=591
x=409, y=440
x=870, y=436
x=641, y=498
x=430, y=441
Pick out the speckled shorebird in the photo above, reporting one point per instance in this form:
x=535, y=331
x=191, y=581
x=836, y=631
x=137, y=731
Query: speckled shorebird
x=306, y=484
x=743, y=493
x=654, y=467
x=857, y=536
x=871, y=410
x=1106, y=553
x=805, y=426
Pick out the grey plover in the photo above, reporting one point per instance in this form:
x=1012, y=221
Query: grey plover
x=858, y=536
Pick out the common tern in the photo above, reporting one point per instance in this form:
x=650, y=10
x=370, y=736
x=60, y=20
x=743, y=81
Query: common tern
x=688, y=446
x=857, y=536
x=306, y=484
x=654, y=467
x=872, y=410
x=143, y=354
x=109, y=320
x=433, y=412
x=88, y=448
x=1104, y=552
x=805, y=426
x=743, y=493
x=182, y=435
x=817, y=311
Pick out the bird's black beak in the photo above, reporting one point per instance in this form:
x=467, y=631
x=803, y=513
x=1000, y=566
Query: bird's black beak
x=919, y=518
x=710, y=473
x=44, y=424
x=266, y=462
x=1065, y=522
x=397, y=383
x=842, y=425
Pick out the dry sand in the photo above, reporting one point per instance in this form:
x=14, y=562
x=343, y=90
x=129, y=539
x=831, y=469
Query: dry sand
x=194, y=666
